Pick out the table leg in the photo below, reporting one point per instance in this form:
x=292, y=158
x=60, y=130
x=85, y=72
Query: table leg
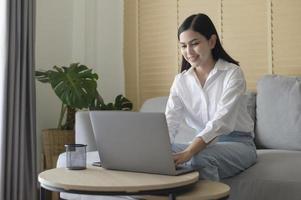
x=171, y=196
x=42, y=193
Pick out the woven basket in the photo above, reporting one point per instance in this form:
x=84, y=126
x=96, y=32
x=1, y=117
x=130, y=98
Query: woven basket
x=53, y=145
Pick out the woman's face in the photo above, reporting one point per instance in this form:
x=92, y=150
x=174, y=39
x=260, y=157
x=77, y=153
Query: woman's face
x=195, y=48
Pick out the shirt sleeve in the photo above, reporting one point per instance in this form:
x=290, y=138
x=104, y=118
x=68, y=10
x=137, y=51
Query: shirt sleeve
x=224, y=120
x=173, y=112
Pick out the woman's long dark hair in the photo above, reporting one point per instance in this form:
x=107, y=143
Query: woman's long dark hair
x=202, y=24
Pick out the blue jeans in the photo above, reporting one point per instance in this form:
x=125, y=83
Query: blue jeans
x=230, y=155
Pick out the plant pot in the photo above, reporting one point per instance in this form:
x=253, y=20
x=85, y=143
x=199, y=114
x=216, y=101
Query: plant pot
x=53, y=145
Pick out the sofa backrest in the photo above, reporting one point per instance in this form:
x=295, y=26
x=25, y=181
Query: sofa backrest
x=156, y=104
x=84, y=131
x=278, y=112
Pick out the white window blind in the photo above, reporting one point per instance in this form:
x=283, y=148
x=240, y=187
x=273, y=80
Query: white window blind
x=208, y=7
x=245, y=36
x=130, y=51
x=157, y=29
x=264, y=36
x=286, y=37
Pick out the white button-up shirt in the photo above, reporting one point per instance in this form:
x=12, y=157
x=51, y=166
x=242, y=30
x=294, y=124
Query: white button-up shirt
x=219, y=107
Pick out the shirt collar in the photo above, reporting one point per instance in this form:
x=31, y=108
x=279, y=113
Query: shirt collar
x=219, y=65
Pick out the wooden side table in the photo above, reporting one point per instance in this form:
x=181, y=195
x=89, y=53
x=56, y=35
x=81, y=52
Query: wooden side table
x=99, y=181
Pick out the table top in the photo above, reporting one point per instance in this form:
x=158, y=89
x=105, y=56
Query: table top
x=98, y=179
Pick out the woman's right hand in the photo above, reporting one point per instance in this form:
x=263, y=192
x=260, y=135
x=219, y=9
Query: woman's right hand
x=197, y=145
x=182, y=157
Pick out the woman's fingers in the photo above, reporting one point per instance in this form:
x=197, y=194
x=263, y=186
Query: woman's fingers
x=176, y=158
x=179, y=158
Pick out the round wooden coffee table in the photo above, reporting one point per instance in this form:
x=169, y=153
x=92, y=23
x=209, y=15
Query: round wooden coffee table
x=100, y=181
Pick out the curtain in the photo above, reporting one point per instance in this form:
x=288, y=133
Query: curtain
x=18, y=147
x=3, y=51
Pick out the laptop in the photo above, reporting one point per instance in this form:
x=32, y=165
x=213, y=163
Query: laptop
x=134, y=141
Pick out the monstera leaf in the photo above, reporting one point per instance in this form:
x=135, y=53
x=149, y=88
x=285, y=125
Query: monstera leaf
x=74, y=85
x=121, y=103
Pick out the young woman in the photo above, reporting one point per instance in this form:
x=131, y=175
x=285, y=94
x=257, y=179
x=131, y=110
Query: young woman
x=209, y=95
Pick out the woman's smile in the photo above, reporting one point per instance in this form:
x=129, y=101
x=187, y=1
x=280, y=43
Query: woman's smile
x=193, y=58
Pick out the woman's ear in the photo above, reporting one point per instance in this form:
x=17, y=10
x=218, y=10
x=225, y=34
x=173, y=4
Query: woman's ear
x=212, y=41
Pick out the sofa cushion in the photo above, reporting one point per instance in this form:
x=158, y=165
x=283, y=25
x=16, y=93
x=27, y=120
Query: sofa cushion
x=275, y=176
x=278, y=112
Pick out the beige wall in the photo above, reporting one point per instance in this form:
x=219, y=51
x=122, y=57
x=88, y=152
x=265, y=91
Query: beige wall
x=262, y=34
x=89, y=32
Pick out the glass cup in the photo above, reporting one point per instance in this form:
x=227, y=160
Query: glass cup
x=76, y=156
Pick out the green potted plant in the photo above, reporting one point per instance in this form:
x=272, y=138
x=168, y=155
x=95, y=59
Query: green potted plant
x=76, y=87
